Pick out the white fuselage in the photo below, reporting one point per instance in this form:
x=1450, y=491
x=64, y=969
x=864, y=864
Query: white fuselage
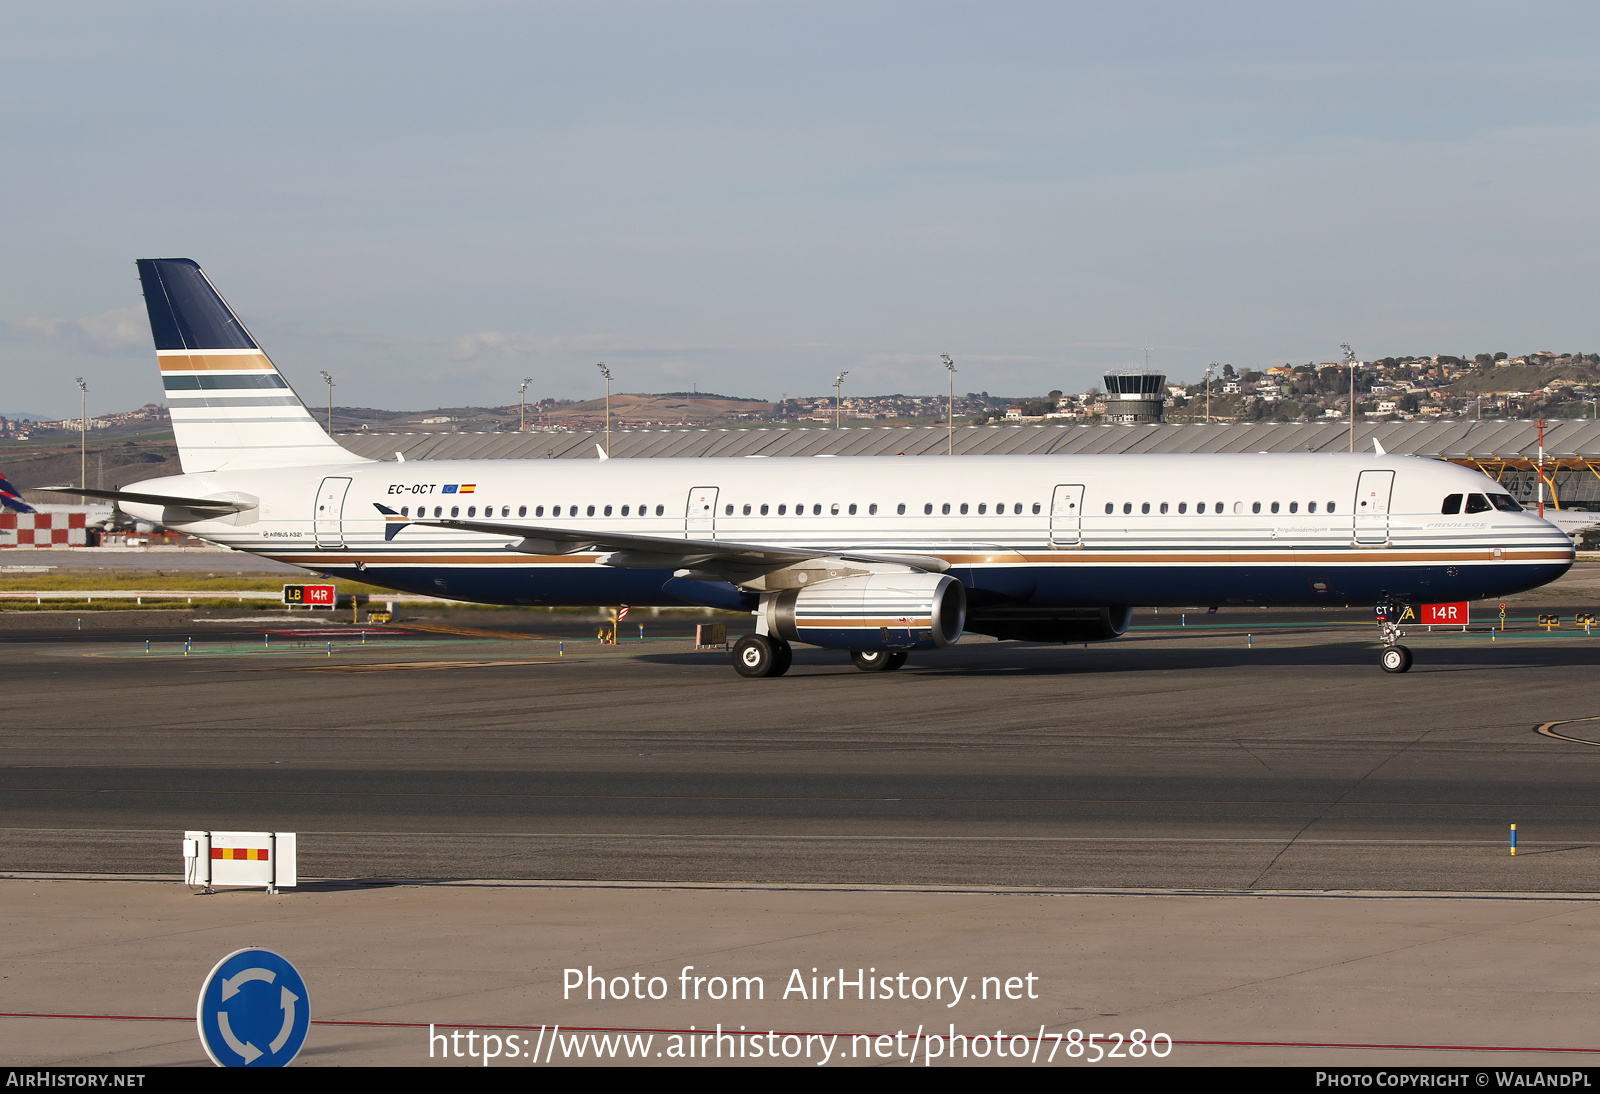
x=1022, y=532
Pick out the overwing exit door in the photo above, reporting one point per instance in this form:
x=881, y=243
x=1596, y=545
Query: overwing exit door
x=700, y=518
x=327, y=522
x=1066, y=517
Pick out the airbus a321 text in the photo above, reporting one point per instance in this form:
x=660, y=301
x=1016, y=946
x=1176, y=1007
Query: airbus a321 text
x=874, y=556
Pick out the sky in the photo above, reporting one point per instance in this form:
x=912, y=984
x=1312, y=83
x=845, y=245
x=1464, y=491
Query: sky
x=434, y=201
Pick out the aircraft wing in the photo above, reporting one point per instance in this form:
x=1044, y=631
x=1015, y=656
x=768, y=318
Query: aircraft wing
x=631, y=551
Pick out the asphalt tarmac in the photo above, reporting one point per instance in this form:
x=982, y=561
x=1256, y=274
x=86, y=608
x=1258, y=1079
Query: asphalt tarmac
x=1238, y=751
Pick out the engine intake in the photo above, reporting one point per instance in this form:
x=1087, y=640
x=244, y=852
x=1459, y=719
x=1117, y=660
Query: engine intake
x=902, y=611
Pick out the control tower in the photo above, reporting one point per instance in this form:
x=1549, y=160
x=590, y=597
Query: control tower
x=1135, y=395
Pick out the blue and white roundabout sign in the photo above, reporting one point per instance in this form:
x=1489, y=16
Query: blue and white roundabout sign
x=253, y=1010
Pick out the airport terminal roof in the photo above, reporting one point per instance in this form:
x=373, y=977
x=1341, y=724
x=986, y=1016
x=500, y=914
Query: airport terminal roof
x=1492, y=440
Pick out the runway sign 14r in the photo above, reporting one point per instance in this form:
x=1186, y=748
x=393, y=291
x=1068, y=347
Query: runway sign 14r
x=312, y=596
x=1445, y=613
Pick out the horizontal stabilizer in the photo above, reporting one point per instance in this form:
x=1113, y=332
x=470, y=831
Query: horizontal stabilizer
x=233, y=504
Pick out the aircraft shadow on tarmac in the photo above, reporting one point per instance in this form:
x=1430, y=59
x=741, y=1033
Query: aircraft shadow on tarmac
x=1027, y=659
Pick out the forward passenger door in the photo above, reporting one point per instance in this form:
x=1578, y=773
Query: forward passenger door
x=1372, y=506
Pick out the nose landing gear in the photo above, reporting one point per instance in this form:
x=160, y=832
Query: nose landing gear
x=1394, y=657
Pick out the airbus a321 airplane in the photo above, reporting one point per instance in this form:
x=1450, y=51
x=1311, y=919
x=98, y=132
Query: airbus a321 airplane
x=875, y=556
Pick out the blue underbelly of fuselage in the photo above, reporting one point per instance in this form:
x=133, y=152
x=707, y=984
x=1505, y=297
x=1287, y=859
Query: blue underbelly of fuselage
x=1085, y=585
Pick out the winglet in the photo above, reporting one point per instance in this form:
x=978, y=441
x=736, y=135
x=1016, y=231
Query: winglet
x=1378, y=448
x=601, y=452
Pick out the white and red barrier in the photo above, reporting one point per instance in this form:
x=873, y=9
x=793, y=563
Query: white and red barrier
x=68, y=529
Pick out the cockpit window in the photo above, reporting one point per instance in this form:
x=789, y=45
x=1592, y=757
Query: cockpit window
x=1452, y=504
x=1477, y=503
x=1505, y=503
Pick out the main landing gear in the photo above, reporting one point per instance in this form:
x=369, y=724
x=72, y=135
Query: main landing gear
x=878, y=660
x=758, y=655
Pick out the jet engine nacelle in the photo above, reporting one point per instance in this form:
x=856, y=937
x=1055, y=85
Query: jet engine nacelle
x=1090, y=625
x=881, y=611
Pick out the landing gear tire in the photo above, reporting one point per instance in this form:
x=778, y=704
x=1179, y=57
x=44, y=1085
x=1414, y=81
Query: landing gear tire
x=756, y=655
x=895, y=661
x=1395, y=659
x=875, y=660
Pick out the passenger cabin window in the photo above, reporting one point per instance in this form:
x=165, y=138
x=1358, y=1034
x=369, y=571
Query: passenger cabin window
x=983, y=507
x=1274, y=507
x=853, y=508
x=1330, y=507
x=1294, y=507
x=783, y=510
x=1255, y=507
x=1477, y=503
x=963, y=508
x=816, y=510
x=927, y=510
x=900, y=510
x=1145, y=508
x=1110, y=508
x=660, y=509
x=872, y=510
x=945, y=509
x=1127, y=507
x=1183, y=507
x=1163, y=507
x=1200, y=507
x=455, y=510
x=1035, y=507
x=728, y=512
x=763, y=510
x=1311, y=507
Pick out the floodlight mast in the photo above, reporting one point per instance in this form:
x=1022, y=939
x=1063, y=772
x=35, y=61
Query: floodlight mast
x=83, y=432
x=1350, y=361
x=1209, y=370
x=607, y=374
x=838, y=389
x=522, y=407
x=951, y=409
x=329, y=381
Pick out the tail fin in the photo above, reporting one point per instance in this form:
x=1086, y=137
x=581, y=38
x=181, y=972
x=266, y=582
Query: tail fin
x=231, y=409
x=11, y=497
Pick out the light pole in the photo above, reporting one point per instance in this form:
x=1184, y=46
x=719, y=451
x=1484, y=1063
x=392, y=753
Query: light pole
x=1209, y=370
x=329, y=381
x=83, y=432
x=951, y=406
x=1350, y=360
x=607, y=374
x=522, y=406
x=838, y=393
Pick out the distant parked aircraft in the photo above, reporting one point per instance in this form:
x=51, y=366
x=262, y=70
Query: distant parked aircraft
x=11, y=497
